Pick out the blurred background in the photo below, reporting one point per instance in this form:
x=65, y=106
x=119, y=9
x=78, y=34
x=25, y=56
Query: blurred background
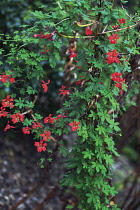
x=24, y=182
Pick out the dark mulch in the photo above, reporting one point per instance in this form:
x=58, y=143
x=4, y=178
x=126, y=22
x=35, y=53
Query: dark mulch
x=21, y=177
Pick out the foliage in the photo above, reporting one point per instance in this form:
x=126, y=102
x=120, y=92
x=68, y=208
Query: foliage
x=92, y=40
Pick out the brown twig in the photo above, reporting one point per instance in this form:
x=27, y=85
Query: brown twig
x=117, y=30
x=48, y=197
x=25, y=198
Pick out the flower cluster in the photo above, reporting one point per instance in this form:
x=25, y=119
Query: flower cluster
x=113, y=57
x=36, y=125
x=113, y=38
x=60, y=116
x=8, y=126
x=5, y=78
x=46, y=36
x=122, y=20
x=72, y=53
x=117, y=77
x=88, y=31
x=3, y=113
x=41, y=146
x=8, y=102
x=79, y=82
x=49, y=119
x=26, y=130
x=62, y=91
x=17, y=118
x=75, y=125
x=44, y=85
x=116, y=27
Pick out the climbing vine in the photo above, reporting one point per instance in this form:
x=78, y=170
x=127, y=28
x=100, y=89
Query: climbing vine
x=94, y=41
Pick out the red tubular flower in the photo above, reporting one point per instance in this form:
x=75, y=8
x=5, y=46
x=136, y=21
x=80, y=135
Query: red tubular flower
x=4, y=78
x=49, y=119
x=113, y=38
x=74, y=125
x=118, y=85
x=115, y=27
x=72, y=53
x=3, y=113
x=88, y=31
x=60, y=116
x=122, y=20
x=8, y=126
x=37, y=35
x=46, y=36
x=40, y=146
x=8, y=101
x=112, y=57
x=62, y=91
x=36, y=125
x=12, y=79
x=17, y=118
x=45, y=135
x=116, y=77
x=26, y=130
x=44, y=85
x=79, y=82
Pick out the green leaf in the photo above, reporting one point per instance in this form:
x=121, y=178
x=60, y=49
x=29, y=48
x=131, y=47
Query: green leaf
x=27, y=122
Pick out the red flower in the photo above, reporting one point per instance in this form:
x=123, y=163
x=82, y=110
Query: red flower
x=46, y=36
x=8, y=126
x=122, y=20
x=40, y=146
x=115, y=27
x=12, y=79
x=4, y=78
x=74, y=125
x=36, y=125
x=44, y=85
x=62, y=91
x=8, y=101
x=113, y=38
x=37, y=35
x=17, y=118
x=49, y=119
x=2, y=112
x=116, y=77
x=59, y=116
x=79, y=82
x=72, y=53
x=45, y=135
x=88, y=31
x=112, y=57
x=26, y=130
